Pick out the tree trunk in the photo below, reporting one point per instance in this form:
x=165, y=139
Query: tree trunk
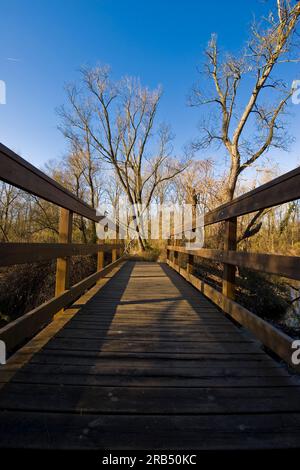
x=141, y=242
x=232, y=179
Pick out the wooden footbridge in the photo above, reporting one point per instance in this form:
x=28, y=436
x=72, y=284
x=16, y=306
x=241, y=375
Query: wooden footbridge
x=145, y=355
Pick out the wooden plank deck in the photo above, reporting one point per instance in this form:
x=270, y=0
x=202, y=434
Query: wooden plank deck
x=143, y=361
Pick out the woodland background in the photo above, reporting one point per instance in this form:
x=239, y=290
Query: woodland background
x=118, y=148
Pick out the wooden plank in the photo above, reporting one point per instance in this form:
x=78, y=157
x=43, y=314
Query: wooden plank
x=18, y=172
x=82, y=376
x=181, y=323
x=211, y=330
x=207, y=365
x=165, y=324
x=274, y=339
x=115, y=332
x=23, y=328
x=167, y=400
x=51, y=356
x=286, y=266
x=212, y=361
x=283, y=189
x=158, y=346
x=128, y=368
x=21, y=253
x=203, y=432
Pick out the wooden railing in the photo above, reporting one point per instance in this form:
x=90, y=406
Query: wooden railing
x=16, y=171
x=284, y=189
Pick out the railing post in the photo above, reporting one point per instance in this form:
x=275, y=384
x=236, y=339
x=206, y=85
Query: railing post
x=190, y=264
x=176, y=254
x=114, y=255
x=100, y=257
x=116, y=251
x=63, y=264
x=168, y=251
x=230, y=243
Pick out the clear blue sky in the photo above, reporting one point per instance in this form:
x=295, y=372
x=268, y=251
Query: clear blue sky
x=43, y=43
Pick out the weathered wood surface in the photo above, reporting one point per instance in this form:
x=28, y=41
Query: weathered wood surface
x=145, y=361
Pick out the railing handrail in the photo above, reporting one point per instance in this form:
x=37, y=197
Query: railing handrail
x=18, y=172
x=285, y=188
x=22, y=253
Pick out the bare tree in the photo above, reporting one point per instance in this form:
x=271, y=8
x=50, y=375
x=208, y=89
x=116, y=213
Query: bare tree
x=198, y=185
x=83, y=162
x=119, y=118
x=9, y=197
x=248, y=131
